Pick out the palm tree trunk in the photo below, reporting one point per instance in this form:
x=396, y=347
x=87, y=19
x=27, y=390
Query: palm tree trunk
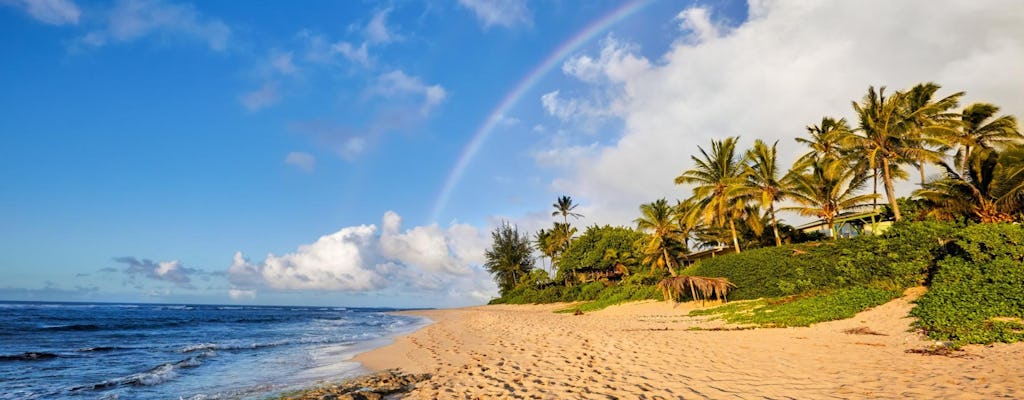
x=832, y=229
x=890, y=192
x=735, y=241
x=668, y=262
x=775, y=225
x=920, y=169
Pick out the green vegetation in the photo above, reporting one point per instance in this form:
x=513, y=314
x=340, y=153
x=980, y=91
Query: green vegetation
x=801, y=310
x=952, y=234
x=977, y=293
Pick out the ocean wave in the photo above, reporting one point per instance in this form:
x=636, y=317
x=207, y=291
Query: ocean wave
x=100, y=349
x=71, y=327
x=29, y=356
x=154, y=376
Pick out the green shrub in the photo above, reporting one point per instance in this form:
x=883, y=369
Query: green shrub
x=900, y=258
x=977, y=292
x=590, y=291
x=802, y=310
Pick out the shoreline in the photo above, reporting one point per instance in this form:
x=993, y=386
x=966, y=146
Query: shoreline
x=655, y=350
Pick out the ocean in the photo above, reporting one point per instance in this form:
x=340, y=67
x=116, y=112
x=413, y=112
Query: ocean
x=163, y=351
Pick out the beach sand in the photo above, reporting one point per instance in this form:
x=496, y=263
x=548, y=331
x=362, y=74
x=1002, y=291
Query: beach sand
x=649, y=350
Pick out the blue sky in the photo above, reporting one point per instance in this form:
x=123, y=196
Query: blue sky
x=219, y=152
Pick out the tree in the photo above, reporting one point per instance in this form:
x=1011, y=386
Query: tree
x=657, y=219
x=829, y=139
x=764, y=178
x=992, y=190
x=978, y=129
x=561, y=236
x=720, y=179
x=544, y=244
x=564, y=208
x=825, y=189
x=930, y=123
x=883, y=137
x=687, y=215
x=509, y=258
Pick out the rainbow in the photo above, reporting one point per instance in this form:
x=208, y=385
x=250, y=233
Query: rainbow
x=469, y=152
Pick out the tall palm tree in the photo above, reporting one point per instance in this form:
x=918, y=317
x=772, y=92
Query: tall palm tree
x=544, y=244
x=657, y=219
x=825, y=189
x=828, y=139
x=978, y=129
x=687, y=214
x=883, y=137
x=564, y=208
x=992, y=190
x=764, y=178
x=509, y=258
x=561, y=237
x=931, y=124
x=720, y=179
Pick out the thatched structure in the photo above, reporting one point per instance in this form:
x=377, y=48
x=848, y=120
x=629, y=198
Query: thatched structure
x=699, y=287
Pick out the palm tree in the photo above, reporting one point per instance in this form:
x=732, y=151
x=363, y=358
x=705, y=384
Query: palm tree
x=564, y=208
x=509, y=258
x=763, y=177
x=883, y=137
x=543, y=243
x=561, y=237
x=825, y=189
x=657, y=219
x=721, y=189
x=979, y=130
x=992, y=190
x=687, y=213
x=931, y=123
x=829, y=139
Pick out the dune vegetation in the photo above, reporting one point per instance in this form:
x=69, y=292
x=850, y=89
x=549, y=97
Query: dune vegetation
x=959, y=233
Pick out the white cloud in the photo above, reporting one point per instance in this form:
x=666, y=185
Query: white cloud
x=53, y=12
x=785, y=68
x=697, y=22
x=377, y=29
x=397, y=84
x=168, y=271
x=134, y=19
x=606, y=75
x=506, y=13
x=282, y=63
x=241, y=294
x=354, y=54
x=303, y=161
x=261, y=98
x=427, y=259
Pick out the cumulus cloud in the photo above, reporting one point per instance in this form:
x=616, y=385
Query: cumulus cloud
x=303, y=161
x=131, y=20
x=787, y=66
x=504, y=13
x=53, y=12
x=364, y=258
x=605, y=75
x=396, y=84
x=166, y=271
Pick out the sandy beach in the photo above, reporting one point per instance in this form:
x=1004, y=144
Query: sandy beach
x=653, y=350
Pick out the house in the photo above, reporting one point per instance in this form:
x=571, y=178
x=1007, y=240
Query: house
x=850, y=224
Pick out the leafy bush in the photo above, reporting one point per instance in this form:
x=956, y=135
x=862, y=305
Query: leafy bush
x=900, y=258
x=802, y=310
x=617, y=294
x=588, y=250
x=977, y=292
x=590, y=291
